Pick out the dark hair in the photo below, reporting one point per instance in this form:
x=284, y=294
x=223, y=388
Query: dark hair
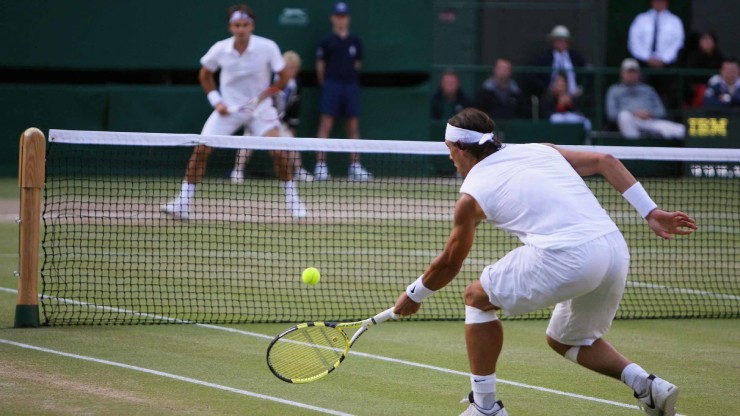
x=476, y=120
x=239, y=7
x=730, y=60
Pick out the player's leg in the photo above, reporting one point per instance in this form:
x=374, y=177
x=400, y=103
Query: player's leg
x=321, y=170
x=179, y=207
x=484, y=337
x=242, y=158
x=266, y=123
x=351, y=98
x=577, y=325
x=299, y=173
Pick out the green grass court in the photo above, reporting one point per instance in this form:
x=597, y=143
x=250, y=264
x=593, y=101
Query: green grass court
x=398, y=368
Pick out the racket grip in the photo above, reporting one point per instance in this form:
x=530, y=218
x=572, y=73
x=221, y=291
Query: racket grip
x=385, y=315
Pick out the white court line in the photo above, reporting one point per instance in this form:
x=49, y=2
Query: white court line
x=178, y=378
x=683, y=291
x=361, y=354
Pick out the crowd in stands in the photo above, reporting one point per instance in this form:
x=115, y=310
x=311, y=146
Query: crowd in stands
x=635, y=106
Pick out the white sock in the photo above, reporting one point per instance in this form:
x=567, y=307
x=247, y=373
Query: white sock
x=289, y=189
x=484, y=390
x=634, y=376
x=187, y=192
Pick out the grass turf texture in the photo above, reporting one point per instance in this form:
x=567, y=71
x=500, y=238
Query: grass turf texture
x=701, y=356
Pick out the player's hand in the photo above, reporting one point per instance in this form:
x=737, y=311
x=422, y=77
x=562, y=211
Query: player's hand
x=666, y=224
x=405, y=306
x=222, y=109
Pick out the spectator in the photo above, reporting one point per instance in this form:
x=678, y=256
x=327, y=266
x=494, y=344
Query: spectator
x=723, y=90
x=636, y=107
x=338, y=60
x=700, y=52
x=449, y=99
x=656, y=36
x=288, y=103
x=559, y=106
x=562, y=60
x=500, y=96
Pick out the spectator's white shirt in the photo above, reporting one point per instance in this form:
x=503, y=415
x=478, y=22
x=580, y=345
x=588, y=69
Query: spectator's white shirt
x=245, y=75
x=670, y=36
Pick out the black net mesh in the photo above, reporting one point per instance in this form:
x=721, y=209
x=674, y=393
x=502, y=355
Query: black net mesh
x=110, y=256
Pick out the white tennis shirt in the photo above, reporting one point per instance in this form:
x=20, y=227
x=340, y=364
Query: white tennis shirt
x=532, y=192
x=245, y=75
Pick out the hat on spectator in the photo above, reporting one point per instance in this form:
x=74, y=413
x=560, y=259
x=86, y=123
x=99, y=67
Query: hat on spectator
x=559, y=32
x=630, y=64
x=340, y=8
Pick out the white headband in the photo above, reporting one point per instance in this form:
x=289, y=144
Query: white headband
x=239, y=15
x=456, y=134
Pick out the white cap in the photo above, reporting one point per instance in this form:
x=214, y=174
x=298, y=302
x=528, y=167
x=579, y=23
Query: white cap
x=560, y=32
x=630, y=64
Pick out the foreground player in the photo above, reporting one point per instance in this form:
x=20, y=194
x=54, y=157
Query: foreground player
x=246, y=62
x=573, y=256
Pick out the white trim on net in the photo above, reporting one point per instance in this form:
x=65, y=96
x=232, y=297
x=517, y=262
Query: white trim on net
x=365, y=146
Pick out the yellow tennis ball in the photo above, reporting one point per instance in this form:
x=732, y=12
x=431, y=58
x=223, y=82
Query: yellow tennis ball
x=311, y=276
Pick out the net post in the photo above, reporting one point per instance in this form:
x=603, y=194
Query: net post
x=31, y=176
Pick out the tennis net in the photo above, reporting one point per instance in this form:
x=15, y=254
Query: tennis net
x=111, y=256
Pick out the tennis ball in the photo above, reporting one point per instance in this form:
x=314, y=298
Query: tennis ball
x=311, y=276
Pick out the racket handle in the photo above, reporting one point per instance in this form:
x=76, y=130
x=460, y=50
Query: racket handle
x=385, y=315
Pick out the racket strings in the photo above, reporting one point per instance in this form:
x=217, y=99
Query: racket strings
x=307, y=352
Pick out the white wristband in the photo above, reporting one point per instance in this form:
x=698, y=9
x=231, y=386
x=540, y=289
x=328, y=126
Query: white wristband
x=639, y=199
x=214, y=97
x=417, y=291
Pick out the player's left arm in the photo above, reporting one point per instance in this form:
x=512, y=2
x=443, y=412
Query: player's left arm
x=277, y=86
x=664, y=224
x=445, y=266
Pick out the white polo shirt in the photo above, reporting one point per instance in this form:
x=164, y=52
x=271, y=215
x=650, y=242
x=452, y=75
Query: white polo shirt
x=532, y=192
x=243, y=76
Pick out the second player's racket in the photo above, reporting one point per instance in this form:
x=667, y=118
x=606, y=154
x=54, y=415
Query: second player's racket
x=310, y=351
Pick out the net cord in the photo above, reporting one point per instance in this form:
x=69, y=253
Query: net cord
x=365, y=146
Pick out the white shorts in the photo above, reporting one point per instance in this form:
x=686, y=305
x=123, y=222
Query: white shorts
x=263, y=119
x=585, y=283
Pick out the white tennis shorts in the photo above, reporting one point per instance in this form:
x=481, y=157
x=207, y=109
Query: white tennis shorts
x=586, y=283
x=263, y=119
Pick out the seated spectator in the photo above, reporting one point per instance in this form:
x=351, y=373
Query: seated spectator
x=561, y=59
x=500, y=97
x=701, y=51
x=723, y=90
x=637, y=108
x=559, y=106
x=449, y=99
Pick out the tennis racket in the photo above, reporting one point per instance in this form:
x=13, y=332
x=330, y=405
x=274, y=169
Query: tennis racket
x=310, y=351
x=247, y=108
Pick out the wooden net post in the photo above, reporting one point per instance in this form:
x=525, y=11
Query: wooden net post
x=31, y=176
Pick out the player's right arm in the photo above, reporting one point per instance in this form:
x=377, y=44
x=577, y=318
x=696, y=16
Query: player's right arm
x=444, y=268
x=208, y=83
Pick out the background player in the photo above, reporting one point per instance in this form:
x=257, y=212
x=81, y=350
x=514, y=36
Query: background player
x=573, y=255
x=246, y=62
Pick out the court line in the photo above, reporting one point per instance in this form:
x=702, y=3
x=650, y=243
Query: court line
x=176, y=377
x=361, y=354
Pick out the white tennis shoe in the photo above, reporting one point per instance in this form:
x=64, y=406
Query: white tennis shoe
x=321, y=172
x=296, y=207
x=358, y=173
x=303, y=175
x=176, y=209
x=237, y=177
x=474, y=410
x=660, y=399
